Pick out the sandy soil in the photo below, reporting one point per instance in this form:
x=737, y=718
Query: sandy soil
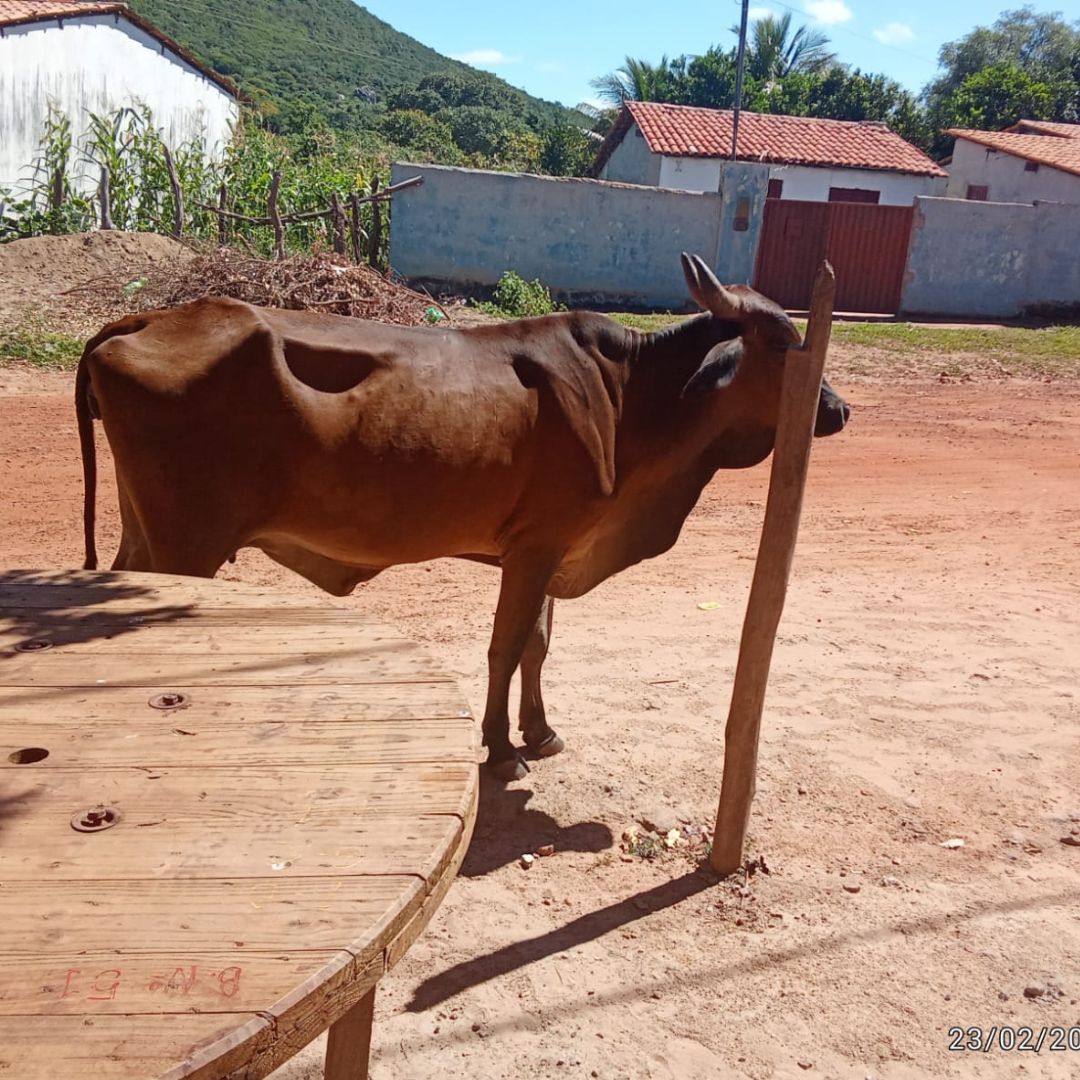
x=47, y=276
x=924, y=688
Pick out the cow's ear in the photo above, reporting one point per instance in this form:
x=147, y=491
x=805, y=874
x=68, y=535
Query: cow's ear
x=717, y=370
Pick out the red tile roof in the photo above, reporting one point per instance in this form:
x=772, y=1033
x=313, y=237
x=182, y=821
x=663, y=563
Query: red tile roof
x=686, y=131
x=1046, y=127
x=19, y=12
x=1059, y=153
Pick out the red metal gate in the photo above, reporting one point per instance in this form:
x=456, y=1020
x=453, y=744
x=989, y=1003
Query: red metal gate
x=866, y=244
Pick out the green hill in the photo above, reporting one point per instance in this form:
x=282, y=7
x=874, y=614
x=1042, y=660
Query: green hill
x=330, y=56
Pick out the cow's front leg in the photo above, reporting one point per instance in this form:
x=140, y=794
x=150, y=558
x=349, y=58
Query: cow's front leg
x=521, y=596
x=532, y=721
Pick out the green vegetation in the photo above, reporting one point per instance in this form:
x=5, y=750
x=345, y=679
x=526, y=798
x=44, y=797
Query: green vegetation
x=516, y=298
x=309, y=64
x=924, y=348
x=29, y=344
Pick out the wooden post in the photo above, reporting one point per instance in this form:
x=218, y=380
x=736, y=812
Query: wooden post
x=355, y=232
x=376, y=225
x=222, y=220
x=105, y=198
x=348, y=1045
x=795, y=432
x=177, y=193
x=337, y=224
x=275, y=215
x=56, y=194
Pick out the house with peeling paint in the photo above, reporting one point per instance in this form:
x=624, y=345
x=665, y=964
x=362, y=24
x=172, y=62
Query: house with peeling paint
x=92, y=57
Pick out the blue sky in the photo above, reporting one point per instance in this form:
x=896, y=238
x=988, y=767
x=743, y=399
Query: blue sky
x=552, y=48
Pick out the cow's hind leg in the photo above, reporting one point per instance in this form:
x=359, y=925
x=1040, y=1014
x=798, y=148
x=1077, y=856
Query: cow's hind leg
x=521, y=597
x=532, y=721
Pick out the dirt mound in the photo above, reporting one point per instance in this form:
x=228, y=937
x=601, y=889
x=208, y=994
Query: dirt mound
x=40, y=273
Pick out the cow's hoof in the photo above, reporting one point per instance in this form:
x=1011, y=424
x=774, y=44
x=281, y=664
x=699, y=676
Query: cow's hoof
x=509, y=770
x=548, y=746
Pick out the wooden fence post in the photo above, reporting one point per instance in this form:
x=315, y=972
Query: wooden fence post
x=375, y=237
x=177, y=193
x=56, y=194
x=222, y=220
x=275, y=215
x=355, y=232
x=104, y=198
x=795, y=432
x=337, y=224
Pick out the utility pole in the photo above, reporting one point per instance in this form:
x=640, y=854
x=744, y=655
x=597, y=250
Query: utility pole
x=741, y=63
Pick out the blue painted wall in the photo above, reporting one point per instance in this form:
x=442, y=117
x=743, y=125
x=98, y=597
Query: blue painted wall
x=593, y=243
x=991, y=259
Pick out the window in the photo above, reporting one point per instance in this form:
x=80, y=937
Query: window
x=977, y=192
x=1031, y=166
x=853, y=194
x=776, y=189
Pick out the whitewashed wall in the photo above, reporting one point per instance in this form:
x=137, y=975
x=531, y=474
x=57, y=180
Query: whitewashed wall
x=97, y=63
x=812, y=183
x=690, y=174
x=1006, y=178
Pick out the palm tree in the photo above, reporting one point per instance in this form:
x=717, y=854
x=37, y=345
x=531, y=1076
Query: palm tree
x=774, y=52
x=636, y=80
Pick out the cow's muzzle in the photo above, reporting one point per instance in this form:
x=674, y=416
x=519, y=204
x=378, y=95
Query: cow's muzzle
x=833, y=412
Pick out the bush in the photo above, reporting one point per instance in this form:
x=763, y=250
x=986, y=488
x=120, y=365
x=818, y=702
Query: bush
x=516, y=298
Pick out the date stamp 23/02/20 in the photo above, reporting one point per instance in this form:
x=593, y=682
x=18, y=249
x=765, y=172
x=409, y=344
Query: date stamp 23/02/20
x=1020, y=1040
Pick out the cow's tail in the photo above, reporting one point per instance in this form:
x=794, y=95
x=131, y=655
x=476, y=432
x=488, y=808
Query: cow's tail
x=85, y=418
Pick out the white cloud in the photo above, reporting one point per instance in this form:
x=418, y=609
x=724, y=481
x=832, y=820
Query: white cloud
x=485, y=56
x=896, y=33
x=756, y=13
x=829, y=11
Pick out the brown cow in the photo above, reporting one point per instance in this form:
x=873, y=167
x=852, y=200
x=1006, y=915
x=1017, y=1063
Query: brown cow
x=562, y=449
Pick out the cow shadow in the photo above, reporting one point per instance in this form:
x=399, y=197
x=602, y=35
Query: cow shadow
x=507, y=828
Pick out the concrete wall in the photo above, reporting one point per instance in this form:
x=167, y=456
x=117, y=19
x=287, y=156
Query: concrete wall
x=97, y=63
x=991, y=259
x=632, y=162
x=1006, y=177
x=591, y=242
x=896, y=189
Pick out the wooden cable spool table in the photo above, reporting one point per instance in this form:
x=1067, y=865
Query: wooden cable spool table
x=225, y=813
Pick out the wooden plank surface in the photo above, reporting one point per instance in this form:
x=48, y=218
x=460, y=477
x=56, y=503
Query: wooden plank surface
x=69, y=1048
x=47, y=919
x=62, y=669
x=282, y=837
x=182, y=741
x=236, y=705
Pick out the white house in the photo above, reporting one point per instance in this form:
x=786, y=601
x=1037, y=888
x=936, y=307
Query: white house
x=1033, y=161
x=684, y=147
x=97, y=57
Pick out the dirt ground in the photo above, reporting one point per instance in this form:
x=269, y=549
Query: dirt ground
x=924, y=688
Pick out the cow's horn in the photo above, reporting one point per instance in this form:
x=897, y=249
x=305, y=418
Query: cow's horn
x=706, y=289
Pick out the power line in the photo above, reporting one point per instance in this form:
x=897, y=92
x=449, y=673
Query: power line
x=853, y=33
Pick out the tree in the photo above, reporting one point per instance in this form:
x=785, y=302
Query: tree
x=996, y=98
x=424, y=135
x=566, y=150
x=638, y=80
x=774, y=52
x=840, y=94
x=710, y=81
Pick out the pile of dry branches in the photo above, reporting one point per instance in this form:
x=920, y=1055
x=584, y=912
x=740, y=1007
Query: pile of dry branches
x=322, y=282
